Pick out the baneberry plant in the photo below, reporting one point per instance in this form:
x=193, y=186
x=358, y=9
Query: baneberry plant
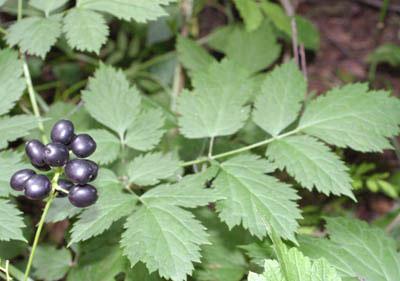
x=200, y=182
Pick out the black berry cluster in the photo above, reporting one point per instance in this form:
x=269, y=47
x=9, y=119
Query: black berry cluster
x=79, y=172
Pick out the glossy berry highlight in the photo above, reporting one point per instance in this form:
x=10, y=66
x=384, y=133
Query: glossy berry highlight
x=62, y=132
x=80, y=171
x=37, y=187
x=35, y=151
x=56, y=154
x=83, y=145
x=82, y=196
x=19, y=179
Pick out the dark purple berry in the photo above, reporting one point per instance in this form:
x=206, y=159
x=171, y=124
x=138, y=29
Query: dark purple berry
x=44, y=168
x=35, y=151
x=62, y=132
x=65, y=185
x=95, y=170
x=82, y=195
x=83, y=145
x=56, y=154
x=19, y=179
x=37, y=187
x=79, y=171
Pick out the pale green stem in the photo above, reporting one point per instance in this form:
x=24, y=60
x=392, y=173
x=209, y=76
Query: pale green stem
x=41, y=224
x=32, y=97
x=239, y=150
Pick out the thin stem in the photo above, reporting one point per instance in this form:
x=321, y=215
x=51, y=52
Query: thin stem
x=41, y=223
x=210, y=147
x=19, y=12
x=239, y=150
x=287, y=5
x=7, y=272
x=32, y=97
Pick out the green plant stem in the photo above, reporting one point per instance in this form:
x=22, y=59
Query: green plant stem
x=239, y=150
x=32, y=97
x=19, y=11
x=41, y=224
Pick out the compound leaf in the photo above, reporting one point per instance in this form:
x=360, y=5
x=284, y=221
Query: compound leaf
x=356, y=250
x=85, y=30
x=35, y=35
x=250, y=12
x=146, y=130
x=108, y=146
x=352, y=116
x=12, y=84
x=216, y=106
x=61, y=209
x=110, y=99
x=168, y=240
x=149, y=169
x=11, y=222
x=110, y=207
x=279, y=103
x=139, y=10
x=312, y=164
x=14, y=127
x=254, y=199
x=190, y=192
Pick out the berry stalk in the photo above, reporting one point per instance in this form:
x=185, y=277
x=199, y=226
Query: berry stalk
x=41, y=224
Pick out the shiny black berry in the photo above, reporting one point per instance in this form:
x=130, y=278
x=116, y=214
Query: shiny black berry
x=56, y=154
x=19, y=179
x=82, y=195
x=65, y=185
x=95, y=170
x=44, y=167
x=83, y=145
x=79, y=171
x=35, y=151
x=62, y=132
x=37, y=187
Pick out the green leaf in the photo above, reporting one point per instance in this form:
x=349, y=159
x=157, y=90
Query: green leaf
x=192, y=55
x=308, y=34
x=110, y=207
x=85, y=30
x=15, y=127
x=387, y=53
x=108, y=146
x=35, y=35
x=100, y=264
x=312, y=164
x=254, y=199
x=10, y=162
x=352, y=116
x=51, y=264
x=11, y=222
x=254, y=50
x=279, y=103
x=61, y=209
x=47, y=6
x=190, y=192
x=156, y=243
x=110, y=99
x=139, y=10
x=216, y=106
x=146, y=130
x=221, y=260
x=150, y=168
x=12, y=84
x=140, y=273
x=250, y=12
x=356, y=250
